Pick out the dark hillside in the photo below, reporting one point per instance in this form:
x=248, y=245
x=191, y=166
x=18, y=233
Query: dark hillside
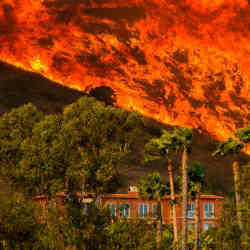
x=18, y=87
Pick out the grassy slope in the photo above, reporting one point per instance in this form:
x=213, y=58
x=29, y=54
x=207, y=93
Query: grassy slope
x=18, y=87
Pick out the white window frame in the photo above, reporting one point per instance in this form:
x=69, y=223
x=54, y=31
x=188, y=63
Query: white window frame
x=208, y=210
x=143, y=205
x=190, y=212
x=124, y=203
x=112, y=207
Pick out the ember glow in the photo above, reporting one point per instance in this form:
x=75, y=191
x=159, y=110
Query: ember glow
x=181, y=62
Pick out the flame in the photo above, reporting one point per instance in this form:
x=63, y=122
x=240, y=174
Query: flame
x=183, y=63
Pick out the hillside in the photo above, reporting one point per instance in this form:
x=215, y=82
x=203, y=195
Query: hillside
x=179, y=62
x=18, y=87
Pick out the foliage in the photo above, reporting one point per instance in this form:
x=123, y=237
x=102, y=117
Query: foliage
x=85, y=229
x=19, y=221
x=138, y=234
x=168, y=237
x=196, y=176
x=196, y=173
x=228, y=147
x=168, y=143
x=83, y=146
x=245, y=201
x=227, y=235
x=151, y=187
x=244, y=134
x=15, y=126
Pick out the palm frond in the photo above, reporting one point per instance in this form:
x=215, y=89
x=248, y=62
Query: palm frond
x=244, y=134
x=228, y=147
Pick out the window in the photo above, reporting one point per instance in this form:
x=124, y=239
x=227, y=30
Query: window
x=124, y=210
x=112, y=208
x=154, y=210
x=190, y=212
x=143, y=210
x=207, y=226
x=208, y=210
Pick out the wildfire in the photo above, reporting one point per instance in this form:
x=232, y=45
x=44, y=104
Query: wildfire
x=181, y=62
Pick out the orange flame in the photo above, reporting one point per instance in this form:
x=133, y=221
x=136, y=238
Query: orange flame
x=181, y=62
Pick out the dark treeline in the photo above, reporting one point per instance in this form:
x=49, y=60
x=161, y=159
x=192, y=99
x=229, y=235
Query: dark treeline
x=82, y=149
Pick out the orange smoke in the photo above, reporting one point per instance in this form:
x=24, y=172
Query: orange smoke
x=181, y=62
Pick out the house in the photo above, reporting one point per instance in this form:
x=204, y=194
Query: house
x=130, y=205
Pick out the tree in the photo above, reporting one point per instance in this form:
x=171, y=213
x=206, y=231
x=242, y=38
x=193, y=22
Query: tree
x=183, y=137
x=15, y=127
x=104, y=135
x=136, y=234
x=244, y=134
x=20, y=223
x=178, y=140
x=196, y=176
x=245, y=208
x=64, y=152
x=233, y=147
x=82, y=147
x=158, y=148
x=228, y=234
x=151, y=187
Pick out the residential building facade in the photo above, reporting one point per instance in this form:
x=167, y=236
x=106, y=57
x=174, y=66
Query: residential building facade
x=130, y=205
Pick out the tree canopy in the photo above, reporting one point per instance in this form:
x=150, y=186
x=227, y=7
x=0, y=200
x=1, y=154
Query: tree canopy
x=83, y=146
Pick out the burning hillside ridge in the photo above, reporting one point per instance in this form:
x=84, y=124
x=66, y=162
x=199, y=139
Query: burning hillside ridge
x=181, y=62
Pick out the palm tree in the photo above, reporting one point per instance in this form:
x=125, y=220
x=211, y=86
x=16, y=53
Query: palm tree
x=196, y=176
x=182, y=138
x=151, y=187
x=177, y=141
x=158, y=148
x=197, y=218
x=226, y=148
x=172, y=194
x=233, y=147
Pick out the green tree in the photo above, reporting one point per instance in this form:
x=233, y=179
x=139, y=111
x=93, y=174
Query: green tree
x=81, y=147
x=178, y=141
x=227, y=235
x=103, y=137
x=233, y=147
x=163, y=147
x=245, y=190
x=137, y=234
x=78, y=150
x=151, y=187
x=183, y=137
x=15, y=127
x=20, y=223
x=196, y=176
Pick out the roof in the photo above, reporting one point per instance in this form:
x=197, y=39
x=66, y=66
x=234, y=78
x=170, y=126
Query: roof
x=129, y=195
x=135, y=195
